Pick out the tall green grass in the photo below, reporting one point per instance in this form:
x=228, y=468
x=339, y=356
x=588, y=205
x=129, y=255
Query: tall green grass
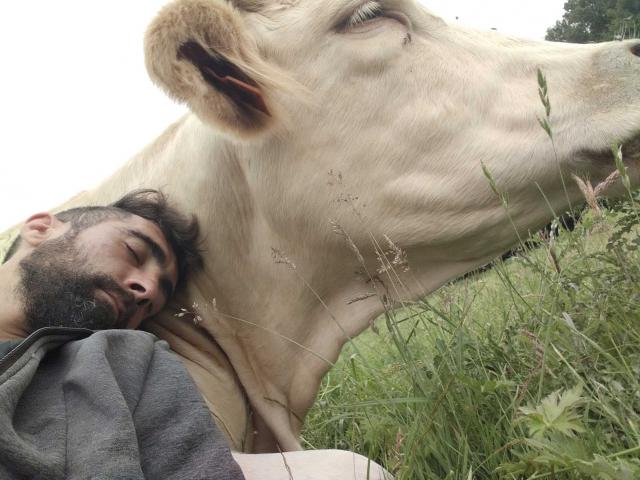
x=531, y=370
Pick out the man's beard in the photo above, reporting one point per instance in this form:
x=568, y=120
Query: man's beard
x=58, y=291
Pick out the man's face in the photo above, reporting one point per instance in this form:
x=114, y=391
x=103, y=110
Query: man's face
x=111, y=275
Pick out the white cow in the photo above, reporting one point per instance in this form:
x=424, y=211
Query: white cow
x=320, y=132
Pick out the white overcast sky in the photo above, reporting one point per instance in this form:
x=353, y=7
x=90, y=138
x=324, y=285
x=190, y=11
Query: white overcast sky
x=76, y=103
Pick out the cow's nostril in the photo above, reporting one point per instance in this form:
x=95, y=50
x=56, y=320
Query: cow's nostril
x=636, y=50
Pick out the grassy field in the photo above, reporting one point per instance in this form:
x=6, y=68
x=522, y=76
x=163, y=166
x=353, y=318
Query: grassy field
x=531, y=370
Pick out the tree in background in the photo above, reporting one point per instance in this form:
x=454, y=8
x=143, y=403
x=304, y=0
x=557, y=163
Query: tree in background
x=586, y=21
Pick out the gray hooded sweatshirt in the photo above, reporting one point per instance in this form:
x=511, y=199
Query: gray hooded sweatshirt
x=114, y=404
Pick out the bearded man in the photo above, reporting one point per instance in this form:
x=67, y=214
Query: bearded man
x=82, y=395
x=78, y=397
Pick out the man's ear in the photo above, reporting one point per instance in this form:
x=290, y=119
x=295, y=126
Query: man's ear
x=199, y=52
x=39, y=228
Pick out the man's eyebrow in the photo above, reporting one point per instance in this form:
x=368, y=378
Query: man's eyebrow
x=166, y=285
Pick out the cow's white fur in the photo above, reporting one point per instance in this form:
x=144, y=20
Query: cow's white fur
x=389, y=143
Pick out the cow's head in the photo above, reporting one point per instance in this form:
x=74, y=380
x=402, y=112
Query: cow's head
x=403, y=107
x=379, y=116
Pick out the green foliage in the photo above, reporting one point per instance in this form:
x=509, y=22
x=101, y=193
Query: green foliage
x=556, y=414
x=586, y=21
x=624, y=239
x=531, y=370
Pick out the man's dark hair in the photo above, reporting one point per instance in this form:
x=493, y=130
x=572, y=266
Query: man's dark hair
x=180, y=231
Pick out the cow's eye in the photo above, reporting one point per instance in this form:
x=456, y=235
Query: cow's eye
x=365, y=13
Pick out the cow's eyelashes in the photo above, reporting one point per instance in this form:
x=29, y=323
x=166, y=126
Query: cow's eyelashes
x=366, y=12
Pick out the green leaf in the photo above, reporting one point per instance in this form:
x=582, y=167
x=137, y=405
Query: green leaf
x=605, y=469
x=557, y=413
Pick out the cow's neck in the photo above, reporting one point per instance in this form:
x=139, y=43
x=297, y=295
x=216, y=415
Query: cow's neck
x=299, y=325
x=270, y=313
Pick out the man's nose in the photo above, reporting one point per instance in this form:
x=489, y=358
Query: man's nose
x=143, y=289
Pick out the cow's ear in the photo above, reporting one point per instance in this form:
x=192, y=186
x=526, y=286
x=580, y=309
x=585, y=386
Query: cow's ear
x=200, y=53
